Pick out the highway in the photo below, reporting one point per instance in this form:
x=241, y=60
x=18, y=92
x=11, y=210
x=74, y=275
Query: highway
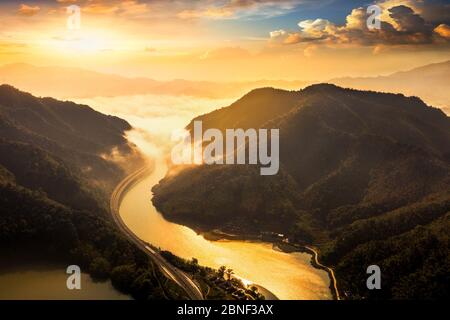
x=178, y=276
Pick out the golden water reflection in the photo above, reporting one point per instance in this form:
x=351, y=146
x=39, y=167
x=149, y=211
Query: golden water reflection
x=287, y=275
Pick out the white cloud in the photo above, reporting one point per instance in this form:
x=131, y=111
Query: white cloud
x=400, y=25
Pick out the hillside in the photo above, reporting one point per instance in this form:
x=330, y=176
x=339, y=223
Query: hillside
x=84, y=139
x=55, y=182
x=362, y=175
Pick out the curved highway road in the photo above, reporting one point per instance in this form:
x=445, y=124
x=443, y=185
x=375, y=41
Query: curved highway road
x=170, y=271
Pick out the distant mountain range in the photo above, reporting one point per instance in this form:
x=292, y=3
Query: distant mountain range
x=56, y=175
x=431, y=83
x=364, y=175
x=65, y=82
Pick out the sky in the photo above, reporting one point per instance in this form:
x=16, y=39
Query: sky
x=226, y=40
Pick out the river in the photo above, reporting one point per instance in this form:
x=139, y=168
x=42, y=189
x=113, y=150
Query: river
x=287, y=275
x=44, y=283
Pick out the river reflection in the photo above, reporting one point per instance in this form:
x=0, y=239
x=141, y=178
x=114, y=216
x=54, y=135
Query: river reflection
x=50, y=284
x=287, y=275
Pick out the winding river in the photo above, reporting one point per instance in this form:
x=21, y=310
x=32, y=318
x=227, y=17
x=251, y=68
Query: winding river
x=287, y=275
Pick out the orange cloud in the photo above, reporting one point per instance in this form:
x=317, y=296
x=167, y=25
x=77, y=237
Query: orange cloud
x=124, y=7
x=211, y=13
x=292, y=38
x=28, y=11
x=100, y=8
x=226, y=53
x=443, y=30
x=310, y=50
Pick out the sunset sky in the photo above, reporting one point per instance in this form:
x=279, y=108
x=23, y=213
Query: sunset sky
x=224, y=40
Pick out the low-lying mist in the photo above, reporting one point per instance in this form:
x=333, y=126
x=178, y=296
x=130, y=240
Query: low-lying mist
x=154, y=117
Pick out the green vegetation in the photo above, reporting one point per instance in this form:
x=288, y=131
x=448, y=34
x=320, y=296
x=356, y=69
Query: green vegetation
x=215, y=284
x=54, y=192
x=364, y=176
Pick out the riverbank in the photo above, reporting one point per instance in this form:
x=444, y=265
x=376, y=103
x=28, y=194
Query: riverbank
x=315, y=263
x=288, y=276
x=218, y=235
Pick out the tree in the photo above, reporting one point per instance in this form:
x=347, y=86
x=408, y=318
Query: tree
x=229, y=273
x=100, y=268
x=194, y=264
x=221, y=271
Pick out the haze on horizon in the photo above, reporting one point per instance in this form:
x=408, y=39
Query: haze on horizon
x=227, y=40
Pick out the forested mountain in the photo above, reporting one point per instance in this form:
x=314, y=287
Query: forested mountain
x=364, y=175
x=56, y=175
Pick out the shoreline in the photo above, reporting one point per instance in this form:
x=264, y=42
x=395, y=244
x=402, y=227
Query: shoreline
x=184, y=282
x=269, y=237
x=219, y=235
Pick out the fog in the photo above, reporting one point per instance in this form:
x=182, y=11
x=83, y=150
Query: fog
x=154, y=117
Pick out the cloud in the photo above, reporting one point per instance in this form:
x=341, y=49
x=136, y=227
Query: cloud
x=433, y=11
x=316, y=29
x=226, y=53
x=277, y=33
x=407, y=20
x=28, y=11
x=122, y=7
x=199, y=9
x=211, y=13
x=186, y=10
x=443, y=30
x=231, y=9
x=400, y=25
x=292, y=38
x=378, y=49
x=310, y=50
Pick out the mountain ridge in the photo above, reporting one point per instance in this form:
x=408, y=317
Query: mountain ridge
x=349, y=159
x=54, y=193
x=409, y=82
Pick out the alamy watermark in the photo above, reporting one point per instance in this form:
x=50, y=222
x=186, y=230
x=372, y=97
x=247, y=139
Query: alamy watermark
x=374, y=280
x=74, y=280
x=374, y=18
x=238, y=146
x=74, y=18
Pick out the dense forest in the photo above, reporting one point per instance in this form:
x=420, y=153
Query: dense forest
x=364, y=176
x=56, y=175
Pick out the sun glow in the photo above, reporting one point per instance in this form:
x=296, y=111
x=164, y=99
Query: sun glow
x=85, y=41
x=183, y=40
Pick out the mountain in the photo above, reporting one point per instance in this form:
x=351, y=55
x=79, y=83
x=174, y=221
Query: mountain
x=363, y=175
x=76, y=134
x=431, y=83
x=56, y=177
x=66, y=83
